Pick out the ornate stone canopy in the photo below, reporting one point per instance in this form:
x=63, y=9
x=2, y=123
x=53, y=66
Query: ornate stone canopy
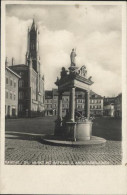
x=74, y=78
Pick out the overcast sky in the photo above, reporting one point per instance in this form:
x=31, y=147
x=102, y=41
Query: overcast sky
x=95, y=32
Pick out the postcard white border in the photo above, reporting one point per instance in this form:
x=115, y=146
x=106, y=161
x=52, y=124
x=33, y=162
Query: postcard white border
x=36, y=179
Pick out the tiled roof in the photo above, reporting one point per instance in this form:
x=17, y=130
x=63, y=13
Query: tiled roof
x=92, y=93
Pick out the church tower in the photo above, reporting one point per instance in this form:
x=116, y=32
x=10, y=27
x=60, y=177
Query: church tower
x=31, y=84
x=33, y=47
x=35, y=80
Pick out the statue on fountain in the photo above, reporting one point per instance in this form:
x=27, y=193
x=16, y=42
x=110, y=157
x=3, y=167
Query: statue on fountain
x=72, y=56
x=73, y=68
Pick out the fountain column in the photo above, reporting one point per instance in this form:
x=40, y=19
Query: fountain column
x=60, y=106
x=87, y=105
x=72, y=104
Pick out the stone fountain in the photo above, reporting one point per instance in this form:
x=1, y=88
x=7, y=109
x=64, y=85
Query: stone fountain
x=69, y=130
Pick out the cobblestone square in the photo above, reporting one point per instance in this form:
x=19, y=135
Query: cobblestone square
x=24, y=144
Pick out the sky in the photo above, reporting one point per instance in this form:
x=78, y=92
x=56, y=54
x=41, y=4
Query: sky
x=95, y=31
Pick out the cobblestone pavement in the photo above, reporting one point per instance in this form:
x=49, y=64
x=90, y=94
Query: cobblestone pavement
x=30, y=149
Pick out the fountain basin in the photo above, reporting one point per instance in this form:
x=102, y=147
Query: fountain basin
x=83, y=130
x=78, y=131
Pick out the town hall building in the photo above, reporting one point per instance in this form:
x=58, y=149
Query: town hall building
x=31, y=84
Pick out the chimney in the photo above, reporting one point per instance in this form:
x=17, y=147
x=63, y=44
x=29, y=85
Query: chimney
x=6, y=62
x=13, y=61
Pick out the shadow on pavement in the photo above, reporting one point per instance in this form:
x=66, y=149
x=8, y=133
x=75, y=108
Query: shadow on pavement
x=38, y=138
x=24, y=136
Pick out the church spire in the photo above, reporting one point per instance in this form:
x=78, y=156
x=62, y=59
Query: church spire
x=33, y=46
x=33, y=25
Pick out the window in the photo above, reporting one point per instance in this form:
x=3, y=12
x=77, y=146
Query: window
x=11, y=96
x=79, y=101
x=6, y=80
x=49, y=101
x=21, y=83
x=7, y=94
x=49, y=106
x=21, y=95
x=14, y=84
x=79, y=96
x=55, y=97
x=11, y=82
x=20, y=107
x=14, y=97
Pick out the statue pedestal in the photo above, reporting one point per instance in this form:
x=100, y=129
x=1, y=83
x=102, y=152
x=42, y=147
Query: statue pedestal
x=70, y=131
x=58, y=127
x=73, y=69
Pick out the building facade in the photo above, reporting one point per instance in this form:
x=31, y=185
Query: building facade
x=96, y=104
x=109, y=100
x=31, y=83
x=51, y=103
x=118, y=106
x=113, y=106
x=109, y=109
x=11, y=93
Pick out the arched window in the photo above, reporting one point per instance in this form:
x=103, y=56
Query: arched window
x=21, y=83
x=20, y=107
x=21, y=95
